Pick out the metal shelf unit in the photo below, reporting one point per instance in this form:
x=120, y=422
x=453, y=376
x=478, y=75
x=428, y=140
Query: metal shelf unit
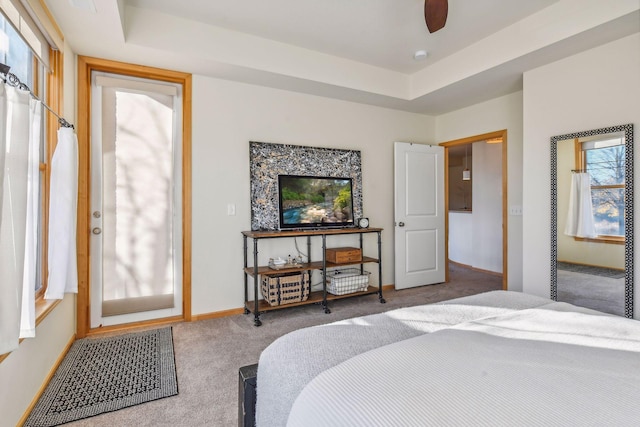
x=257, y=306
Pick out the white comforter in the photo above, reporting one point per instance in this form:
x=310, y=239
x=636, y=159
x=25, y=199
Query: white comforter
x=292, y=361
x=539, y=367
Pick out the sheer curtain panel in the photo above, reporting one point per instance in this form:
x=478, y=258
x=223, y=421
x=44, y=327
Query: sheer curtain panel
x=63, y=202
x=16, y=152
x=580, y=222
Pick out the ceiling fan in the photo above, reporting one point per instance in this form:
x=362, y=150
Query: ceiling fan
x=435, y=14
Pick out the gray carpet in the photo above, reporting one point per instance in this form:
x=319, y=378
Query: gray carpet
x=586, y=290
x=593, y=270
x=101, y=375
x=210, y=352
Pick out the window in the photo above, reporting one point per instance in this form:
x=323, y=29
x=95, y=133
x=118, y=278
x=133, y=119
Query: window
x=604, y=160
x=38, y=65
x=17, y=51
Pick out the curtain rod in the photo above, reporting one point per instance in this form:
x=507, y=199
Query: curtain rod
x=13, y=80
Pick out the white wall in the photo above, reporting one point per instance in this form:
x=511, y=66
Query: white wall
x=487, y=206
x=226, y=116
x=460, y=234
x=23, y=372
x=594, y=89
x=500, y=113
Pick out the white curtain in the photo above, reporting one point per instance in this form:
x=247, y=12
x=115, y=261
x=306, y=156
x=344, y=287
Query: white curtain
x=15, y=200
x=63, y=270
x=580, y=221
x=28, y=317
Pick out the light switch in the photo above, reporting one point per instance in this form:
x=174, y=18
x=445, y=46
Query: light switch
x=231, y=209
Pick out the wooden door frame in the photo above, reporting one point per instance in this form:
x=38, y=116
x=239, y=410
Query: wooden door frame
x=505, y=236
x=86, y=65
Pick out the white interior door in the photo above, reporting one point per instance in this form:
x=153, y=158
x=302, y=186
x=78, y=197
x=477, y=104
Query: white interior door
x=136, y=181
x=419, y=215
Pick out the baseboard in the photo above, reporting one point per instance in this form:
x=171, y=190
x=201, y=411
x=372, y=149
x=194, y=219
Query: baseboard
x=48, y=378
x=592, y=265
x=234, y=311
x=480, y=270
x=136, y=326
x=217, y=314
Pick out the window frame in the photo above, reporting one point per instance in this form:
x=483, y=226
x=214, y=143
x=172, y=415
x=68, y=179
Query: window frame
x=53, y=98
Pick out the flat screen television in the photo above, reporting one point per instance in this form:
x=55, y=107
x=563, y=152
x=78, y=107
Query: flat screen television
x=315, y=202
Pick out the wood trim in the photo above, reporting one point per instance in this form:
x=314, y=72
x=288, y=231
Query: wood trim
x=46, y=381
x=612, y=240
x=84, y=151
x=578, y=154
x=446, y=214
x=236, y=311
x=49, y=23
x=55, y=99
x=86, y=65
x=135, y=326
x=505, y=217
x=218, y=314
x=186, y=195
x=505, y=212
x=470, y=267
x=475, y=138
x=608, y=187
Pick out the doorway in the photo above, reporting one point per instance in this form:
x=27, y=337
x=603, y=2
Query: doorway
x=498, y=137
x=134, y=200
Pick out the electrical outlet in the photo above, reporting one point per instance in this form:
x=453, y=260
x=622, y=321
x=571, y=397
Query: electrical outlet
x=515, y=210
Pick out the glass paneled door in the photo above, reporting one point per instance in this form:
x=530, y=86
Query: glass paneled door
x=136, y=269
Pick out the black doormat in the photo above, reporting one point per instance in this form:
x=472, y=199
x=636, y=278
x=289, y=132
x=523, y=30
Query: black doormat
x=106, y=374
x=587, y=269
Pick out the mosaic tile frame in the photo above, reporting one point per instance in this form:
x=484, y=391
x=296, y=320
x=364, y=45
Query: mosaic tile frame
x=628, y=194
x=268, y=160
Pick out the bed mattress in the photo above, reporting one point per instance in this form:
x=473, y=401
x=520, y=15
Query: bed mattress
x=291, y=362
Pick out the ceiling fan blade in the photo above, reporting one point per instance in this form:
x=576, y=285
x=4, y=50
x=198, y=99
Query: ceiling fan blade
x=435, y=14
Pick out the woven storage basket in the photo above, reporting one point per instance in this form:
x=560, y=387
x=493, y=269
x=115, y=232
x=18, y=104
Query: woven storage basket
x=346, y=281
x=280, y=290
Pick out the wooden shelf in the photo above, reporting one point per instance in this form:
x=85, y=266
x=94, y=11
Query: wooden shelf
x=317, y=265
x=314, y=298
x=298, y=233
x=365, y=260
x=267, y=271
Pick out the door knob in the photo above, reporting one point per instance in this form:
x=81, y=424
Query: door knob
x=401, y=224
x=96, y=230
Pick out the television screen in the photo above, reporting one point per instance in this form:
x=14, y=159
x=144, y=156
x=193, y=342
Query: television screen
x=314, y=201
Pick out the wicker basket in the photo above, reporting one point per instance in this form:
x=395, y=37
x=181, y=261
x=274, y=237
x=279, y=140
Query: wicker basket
x=347, y=281
x=285, y=289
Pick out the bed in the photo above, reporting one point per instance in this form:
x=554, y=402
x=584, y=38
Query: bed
x=498, y=358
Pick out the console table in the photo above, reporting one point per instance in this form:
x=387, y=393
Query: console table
x=255, y=271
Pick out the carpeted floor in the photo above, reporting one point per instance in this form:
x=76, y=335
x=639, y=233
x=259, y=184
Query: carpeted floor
x=210, y=352
x=600, y=293
x=107, y=374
